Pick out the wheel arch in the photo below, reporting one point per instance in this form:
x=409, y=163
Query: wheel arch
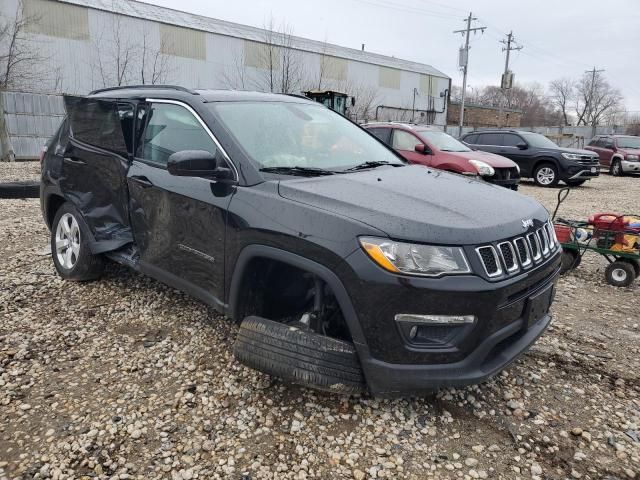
x=256, y=252
x=52, y=204
x=539, y=161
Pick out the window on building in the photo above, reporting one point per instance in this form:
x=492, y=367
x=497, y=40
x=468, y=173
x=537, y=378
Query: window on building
x=171, y=129
x=404, y=140
x=183, y=42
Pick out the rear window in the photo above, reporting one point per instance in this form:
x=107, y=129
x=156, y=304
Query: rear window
x=102, y=123
x=472, y=139
x=490, y=139
x=383, y=134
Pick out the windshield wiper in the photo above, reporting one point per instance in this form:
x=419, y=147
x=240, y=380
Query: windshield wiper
x=301, y=171
x=370, y=164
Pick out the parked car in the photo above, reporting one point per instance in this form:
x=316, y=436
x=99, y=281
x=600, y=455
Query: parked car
x=346, y=267
x=621, y=153
x=538, y=157
x=434, y=148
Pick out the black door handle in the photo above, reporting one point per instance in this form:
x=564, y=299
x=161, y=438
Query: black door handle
x=74, y=161
x=143, y=181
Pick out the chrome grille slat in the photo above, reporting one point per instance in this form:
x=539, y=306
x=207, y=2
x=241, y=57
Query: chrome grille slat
x=523, y=252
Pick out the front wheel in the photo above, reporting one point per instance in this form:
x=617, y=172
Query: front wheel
x=620, y=274
x=616, y=168
x=546, y=175
x=70, y=250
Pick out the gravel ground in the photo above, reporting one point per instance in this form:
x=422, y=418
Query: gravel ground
x=127, y=378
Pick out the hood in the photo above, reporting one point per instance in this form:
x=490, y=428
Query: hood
x=496, y=161
x=420, y=204
x=629, y=151
x=579, y=151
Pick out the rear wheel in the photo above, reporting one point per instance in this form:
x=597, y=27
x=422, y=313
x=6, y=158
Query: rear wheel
x=70, y=250
x=546, y=175
x=299, y=355
x=620, y=274
x=634, y=263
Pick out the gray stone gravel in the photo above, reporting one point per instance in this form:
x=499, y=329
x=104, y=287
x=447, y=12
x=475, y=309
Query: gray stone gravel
x=127, y=378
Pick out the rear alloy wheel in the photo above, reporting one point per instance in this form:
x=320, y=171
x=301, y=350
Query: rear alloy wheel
x=546, y=175
x=70, y=250
x=299, y=355
x=620, y=274
x=616, y=168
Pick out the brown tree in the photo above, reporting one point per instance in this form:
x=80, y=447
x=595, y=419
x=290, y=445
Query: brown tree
x=595, y=99
x=562, y=95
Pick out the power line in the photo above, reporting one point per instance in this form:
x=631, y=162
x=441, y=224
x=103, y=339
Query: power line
x=464, y=61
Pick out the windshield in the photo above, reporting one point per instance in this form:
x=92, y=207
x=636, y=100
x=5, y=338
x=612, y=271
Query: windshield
x=628, y=142
x=443, y=141
x=283, y=134
x=537, y=140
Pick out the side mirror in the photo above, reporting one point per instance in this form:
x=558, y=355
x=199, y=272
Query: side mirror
x=522, y=146
x=193, y=163
x=422, y=148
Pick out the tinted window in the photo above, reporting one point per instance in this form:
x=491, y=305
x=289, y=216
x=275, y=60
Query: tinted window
x=511, y=140
x=490, y=139
x=383, y=134
x=593, y=142
x=404, y=140
x=171, y=129
x=471, y=139
x=100, y=123
x=607, y=143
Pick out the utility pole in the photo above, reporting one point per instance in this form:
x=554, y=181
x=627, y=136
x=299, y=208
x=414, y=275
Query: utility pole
x=464, y=62
x=589, y=106
x=505, y=83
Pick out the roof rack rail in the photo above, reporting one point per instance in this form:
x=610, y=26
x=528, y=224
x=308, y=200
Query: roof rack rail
x=158, y=87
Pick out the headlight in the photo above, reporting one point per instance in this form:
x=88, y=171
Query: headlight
x=572, y=156
x=412, y=259
x=633, y=158
x=484, y=169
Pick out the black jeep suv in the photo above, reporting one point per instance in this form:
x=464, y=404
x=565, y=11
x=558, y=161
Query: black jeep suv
x=346, y=268
x=537, y=156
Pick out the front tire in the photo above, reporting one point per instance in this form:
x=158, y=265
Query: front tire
x=616, y=168
x=70, y=250
x=299, y=356
x=546, y=175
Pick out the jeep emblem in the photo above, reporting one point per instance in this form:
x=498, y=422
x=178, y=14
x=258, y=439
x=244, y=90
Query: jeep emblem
x=527, y=223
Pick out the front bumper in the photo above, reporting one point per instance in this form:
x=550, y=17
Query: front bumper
x=494, y=354
x=585, y=173
x=629, y=167
x=394, y=365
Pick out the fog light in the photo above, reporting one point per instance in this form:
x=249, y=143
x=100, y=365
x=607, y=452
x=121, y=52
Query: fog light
x=435, y=319
x=413, y=332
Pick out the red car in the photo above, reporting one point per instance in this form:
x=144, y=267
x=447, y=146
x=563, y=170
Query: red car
x=434, y=148
x=621, y=153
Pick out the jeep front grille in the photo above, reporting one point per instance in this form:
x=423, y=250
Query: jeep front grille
x=520, y=253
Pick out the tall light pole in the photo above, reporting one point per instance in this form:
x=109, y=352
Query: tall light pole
x=464, y=62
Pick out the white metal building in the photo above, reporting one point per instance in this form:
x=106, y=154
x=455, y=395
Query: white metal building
x=90, y=44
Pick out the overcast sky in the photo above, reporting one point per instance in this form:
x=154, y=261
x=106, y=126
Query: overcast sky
x=561, y=38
